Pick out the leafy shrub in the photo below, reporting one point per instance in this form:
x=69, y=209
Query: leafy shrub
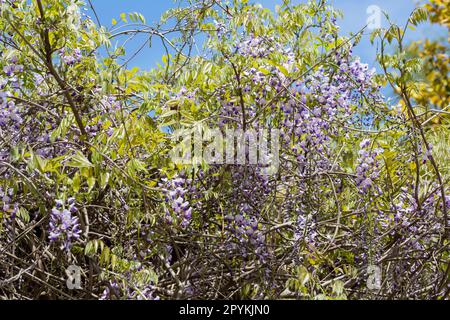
x=87, y=177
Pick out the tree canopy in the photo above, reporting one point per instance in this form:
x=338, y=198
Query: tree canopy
x=88, y=176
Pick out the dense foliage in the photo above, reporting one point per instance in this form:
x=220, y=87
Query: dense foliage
x=87, y=177
x=434, y=89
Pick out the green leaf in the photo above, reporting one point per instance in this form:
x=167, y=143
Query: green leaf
x=38, y=162
x=91, y=183
x=61, y=131
x=418, y=16
x=80, y=161
x=168, y=113
x=23, y=214
x=76, y=182
x=338, y=287
x=104, y=179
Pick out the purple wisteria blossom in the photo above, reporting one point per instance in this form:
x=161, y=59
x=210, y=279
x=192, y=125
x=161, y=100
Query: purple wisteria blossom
x=70, y=59
x=256, y=47
x=367, y=170
x=175, y=197
x=64, y=227
x=7, y=204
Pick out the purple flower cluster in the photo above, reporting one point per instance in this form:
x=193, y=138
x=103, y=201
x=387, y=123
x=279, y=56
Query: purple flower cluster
x=6, y=200
x=63, y=226
x=305, y=229
x=416, y=224
x=9, y=113
x=367, y=169
x=40, y=84
x=221, y=29
x=184, y=92
x=360, y=72
x=112, y=290
x=245, y=227
x=131, y=291
x=10, y=116
x=304, y=131
x=12, y=69
x=70, y=59
x=256, y=47
x=10, y=210
x=178, y=208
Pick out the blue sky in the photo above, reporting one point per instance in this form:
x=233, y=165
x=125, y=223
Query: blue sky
x=355, y=17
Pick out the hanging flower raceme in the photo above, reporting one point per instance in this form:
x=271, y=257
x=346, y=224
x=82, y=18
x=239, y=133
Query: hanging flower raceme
x=10, y=116
x=178, y=209
x=64, y=227
x=70, y=59
x=256, y=47
x=7, y=204
x=368, y=168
